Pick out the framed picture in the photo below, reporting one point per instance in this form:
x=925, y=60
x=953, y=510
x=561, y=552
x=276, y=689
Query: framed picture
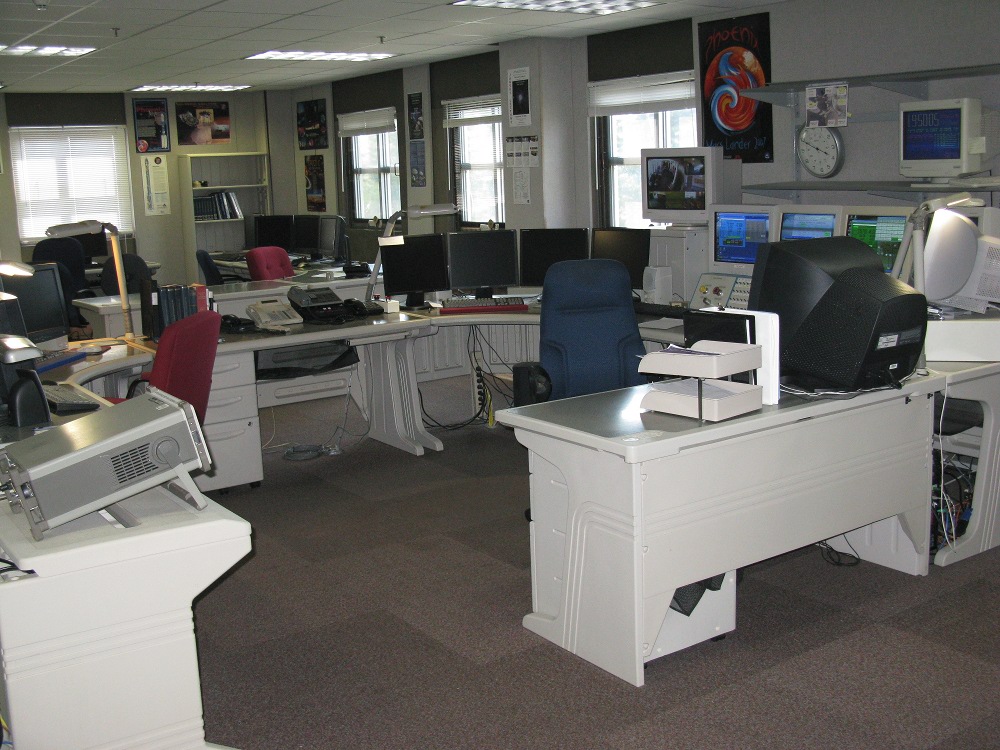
x=152, y=127
x=203, y=123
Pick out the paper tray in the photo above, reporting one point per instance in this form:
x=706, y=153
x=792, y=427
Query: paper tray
x=721, y=399
x=705, y=359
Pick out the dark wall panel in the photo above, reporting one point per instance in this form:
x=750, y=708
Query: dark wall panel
x=646, y=50
x=27, y=110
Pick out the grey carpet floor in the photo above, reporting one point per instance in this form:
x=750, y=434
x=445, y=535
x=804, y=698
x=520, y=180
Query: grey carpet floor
x=382, y=604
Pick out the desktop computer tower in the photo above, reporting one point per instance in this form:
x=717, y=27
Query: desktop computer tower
x=685, y=252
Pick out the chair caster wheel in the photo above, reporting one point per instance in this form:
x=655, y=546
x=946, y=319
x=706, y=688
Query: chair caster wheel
x=254, y=485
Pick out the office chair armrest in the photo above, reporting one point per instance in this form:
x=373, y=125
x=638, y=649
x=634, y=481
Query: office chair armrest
x=532, y=384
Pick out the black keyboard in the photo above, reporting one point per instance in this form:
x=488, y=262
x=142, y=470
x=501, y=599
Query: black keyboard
x=64, y=399
x=660, y=311
x=230, y=257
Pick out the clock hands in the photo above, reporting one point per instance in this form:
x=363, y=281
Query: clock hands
x=815, y=148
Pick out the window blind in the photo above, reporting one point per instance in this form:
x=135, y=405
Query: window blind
x=474, y=110
x=68, y=174
x=641, y=94
x=369, y=122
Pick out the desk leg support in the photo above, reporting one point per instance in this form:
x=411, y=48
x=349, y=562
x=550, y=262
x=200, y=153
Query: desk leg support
x=394, y=409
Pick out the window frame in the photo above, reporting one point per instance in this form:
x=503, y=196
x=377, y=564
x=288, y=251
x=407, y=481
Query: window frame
x=382, y=124
x=459, y=115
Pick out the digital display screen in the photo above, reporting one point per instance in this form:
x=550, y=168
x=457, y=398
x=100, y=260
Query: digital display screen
x=804, y=226
x=932, y=134
x=675, y=183
x=883, y=234
x=738, y=235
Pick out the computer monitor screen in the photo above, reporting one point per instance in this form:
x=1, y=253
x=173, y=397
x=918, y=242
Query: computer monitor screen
x=276, y=230
x=843, y=323
x=480, y=262
x=540, y=248
x=736, y=233
x=333, y=242
x=630, y=246
x=680, y=183
x=415, y=266
x=305, y=229
x=881, y=229
x=43, y=306
x=940, y=139
x=808, y=222
x=94, y=245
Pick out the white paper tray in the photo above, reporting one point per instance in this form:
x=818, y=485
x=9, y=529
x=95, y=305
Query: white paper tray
x=721, y=399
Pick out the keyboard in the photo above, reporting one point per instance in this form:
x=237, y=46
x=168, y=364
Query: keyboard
x=230, y=257
x=460, y=305
x=57, y=359
x=64, y=399
x=659, y=310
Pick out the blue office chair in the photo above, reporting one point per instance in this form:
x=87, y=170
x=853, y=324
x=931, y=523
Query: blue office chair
x=589, y=336
x=69, y=252
x=213, y=276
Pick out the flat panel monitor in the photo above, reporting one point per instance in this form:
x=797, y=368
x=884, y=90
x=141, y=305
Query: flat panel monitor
x=679, y=184
x=735, y=234
x=305, y=229
x=43, y=306
x=276, y=230
x=843, y=322
x=333, y=240
x=540, y=248
x=879, y=227
x=480, y=262
x=630, y=246
x=94, y=245
x=940, y=139
x=808, y=222
x=414, y=266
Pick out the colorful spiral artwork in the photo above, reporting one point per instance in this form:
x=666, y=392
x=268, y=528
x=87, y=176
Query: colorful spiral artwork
x=733, y=69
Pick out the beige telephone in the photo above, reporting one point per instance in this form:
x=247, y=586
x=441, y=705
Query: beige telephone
x=272, y=314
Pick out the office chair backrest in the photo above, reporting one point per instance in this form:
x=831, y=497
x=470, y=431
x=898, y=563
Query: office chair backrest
x=69, y=252
x=268, y=262
x=589, y=336
x=185, y=356
x=211, y=272
x=136, y=271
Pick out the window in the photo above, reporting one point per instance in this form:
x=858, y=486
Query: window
x=69, y=174
x=477, y=158
x=372, y=153
x=646, y=112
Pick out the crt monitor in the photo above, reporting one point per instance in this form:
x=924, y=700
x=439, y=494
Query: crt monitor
x=480, y=262
x=735, y=234
x=679, y=184
x=879, y=227
x=305, y=232
x=941, y=139
x=960, y=264
x=808, y=222
x=277, y=230
x=414, y=264
x=843, y=323
x=43, y=306
x=540, y=248
x=630, y=246
x=94, y=245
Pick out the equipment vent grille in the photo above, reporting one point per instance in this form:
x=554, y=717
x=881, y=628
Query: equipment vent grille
x=132, y=464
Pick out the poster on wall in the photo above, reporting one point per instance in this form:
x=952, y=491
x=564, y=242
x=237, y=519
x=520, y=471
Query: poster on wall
x=734, y=54
x=826, y=105
x=418, y=164
x=152, y=128
x=311, y=120
x=155, y=186
x=203, y=123
x=415, y=115
x=315, y=184
x=518, y=97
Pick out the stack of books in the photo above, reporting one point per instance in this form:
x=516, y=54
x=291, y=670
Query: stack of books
x=217, y=206
x=163, y=305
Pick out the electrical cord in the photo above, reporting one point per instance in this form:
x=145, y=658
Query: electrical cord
x=841, y=559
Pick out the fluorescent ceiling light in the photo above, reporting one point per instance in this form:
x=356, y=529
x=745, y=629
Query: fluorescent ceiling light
x=299, y=56
x=190, y=87
x=588, y=7
x=27, y=49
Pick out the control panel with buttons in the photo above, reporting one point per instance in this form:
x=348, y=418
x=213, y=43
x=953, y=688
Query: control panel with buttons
x=721, y=290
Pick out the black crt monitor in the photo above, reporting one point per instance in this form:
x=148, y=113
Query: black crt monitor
x=94, y=245
x=540, y=248
x=630, y=246
x=843, y=322
x=277, y=230
x=43, y=306
x=481, y=262
x=882, y=232
x=414, y=267
x=807, y=225
x=305, y=228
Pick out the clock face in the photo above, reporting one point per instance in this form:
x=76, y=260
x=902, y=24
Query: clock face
x=820, y=151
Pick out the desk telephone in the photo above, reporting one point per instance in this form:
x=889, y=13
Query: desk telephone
x=272, y=314
x=721, y=290
x=324, y=305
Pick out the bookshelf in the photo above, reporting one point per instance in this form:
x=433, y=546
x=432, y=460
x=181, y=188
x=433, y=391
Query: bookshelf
x=220, y=193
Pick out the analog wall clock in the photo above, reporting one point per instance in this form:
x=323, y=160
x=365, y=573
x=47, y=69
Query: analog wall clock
x=820, y=150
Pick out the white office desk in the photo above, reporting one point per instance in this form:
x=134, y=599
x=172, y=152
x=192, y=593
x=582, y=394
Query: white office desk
x=627, y=506
x=97, y=639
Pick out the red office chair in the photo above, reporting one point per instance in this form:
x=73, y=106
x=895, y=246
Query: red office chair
x=184, y=360
x=268, y=262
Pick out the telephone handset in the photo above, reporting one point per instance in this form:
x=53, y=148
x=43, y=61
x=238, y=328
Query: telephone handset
x=272, y=314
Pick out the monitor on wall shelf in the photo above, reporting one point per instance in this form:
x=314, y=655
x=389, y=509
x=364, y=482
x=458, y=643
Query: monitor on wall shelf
x=43, y=306
x=630, y=246
x=959, y=264
x=879, y=227
x=679, y=184
x=941, y=139
x=540, y=248
x=804, y=222
x=736, y=233
x=481, y=262
x=414, y=264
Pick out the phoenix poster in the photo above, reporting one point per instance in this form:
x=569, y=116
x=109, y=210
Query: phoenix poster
x=734, y=54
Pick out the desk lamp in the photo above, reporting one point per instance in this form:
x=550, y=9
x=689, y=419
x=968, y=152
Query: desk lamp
x=92, y=226
x=414, y=212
